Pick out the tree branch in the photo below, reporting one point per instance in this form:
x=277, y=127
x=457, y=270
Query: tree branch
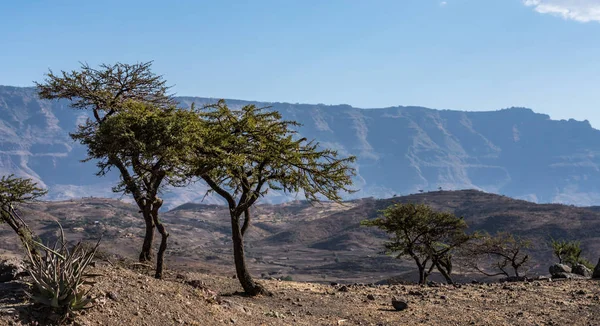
x=222, y=192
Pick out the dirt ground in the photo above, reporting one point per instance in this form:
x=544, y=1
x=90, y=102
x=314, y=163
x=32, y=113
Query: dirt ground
x=133, y=297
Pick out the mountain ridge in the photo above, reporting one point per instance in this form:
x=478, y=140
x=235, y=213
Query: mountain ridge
x=400, y=150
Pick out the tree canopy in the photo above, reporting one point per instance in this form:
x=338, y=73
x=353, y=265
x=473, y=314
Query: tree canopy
x=154, y=145
x=494, y=255
x=254, y=150
x=107, y=88
x=14, y=191
x=427, y=236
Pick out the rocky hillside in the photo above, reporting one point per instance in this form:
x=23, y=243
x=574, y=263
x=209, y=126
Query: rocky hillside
x=400, y=150
x=307, y=242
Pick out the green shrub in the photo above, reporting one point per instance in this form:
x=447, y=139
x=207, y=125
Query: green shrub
x=59, y=275
x=568, y=252
x=287, y=278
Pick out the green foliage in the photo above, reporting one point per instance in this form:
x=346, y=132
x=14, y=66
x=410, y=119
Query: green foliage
x=14, y=191
x=425, y=235
x=568, y=252
x=124, y=90
x=495, y=255
x=107, y=88
x=288, y=278
x=18, y=190
x=153, y=143
x=253, y=150
x=59, y=276
x=586, y=263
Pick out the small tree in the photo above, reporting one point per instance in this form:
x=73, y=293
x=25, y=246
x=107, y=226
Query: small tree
x=496, y=255
x=15, y=191
x=568, y=252
x=105, y=92
x=427, y=236
x=253, y=150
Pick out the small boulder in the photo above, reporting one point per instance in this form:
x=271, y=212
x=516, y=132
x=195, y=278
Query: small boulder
x=559, y=268
x=113, y=296
x=582, y=270
x=370, y=297
x=596, y=273
x=398, y=304
x=11, y=270
x=568, y=276
x=343, y=289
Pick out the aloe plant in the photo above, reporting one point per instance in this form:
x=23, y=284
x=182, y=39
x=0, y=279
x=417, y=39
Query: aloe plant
x=60, y=274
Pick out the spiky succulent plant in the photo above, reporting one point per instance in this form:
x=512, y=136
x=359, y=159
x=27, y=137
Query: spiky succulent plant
x=59, y=275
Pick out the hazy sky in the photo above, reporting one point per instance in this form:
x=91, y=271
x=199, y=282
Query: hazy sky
x=454, y=54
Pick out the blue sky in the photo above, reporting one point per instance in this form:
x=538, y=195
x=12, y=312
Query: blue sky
x=454, y=54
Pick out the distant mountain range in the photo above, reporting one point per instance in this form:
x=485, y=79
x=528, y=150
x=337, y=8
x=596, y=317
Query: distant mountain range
x=400, y=150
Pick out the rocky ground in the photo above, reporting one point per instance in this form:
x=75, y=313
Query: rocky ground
x=132, y=297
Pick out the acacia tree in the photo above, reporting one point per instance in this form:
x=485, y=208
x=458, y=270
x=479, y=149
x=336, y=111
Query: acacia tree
x=427, y=236
x=15, y=191
x=104, y=92
x=252, y=151
x=497, y=255
x=153, y=144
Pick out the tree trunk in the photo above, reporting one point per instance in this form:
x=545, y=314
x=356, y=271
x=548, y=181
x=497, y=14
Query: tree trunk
x=445, y=274
x=146, y=254
x=25, y=234
x=163, y=241
x=421, y=266
x=422, y=276
x=250, y=286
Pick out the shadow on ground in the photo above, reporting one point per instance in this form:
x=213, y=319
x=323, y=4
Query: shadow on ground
x=15, y=306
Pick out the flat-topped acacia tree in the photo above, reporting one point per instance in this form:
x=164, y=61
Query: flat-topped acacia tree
x=253, y=150
x=106, y=92
x=15, y=191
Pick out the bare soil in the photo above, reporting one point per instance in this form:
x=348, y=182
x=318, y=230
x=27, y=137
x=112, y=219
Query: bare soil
x=132, y=297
